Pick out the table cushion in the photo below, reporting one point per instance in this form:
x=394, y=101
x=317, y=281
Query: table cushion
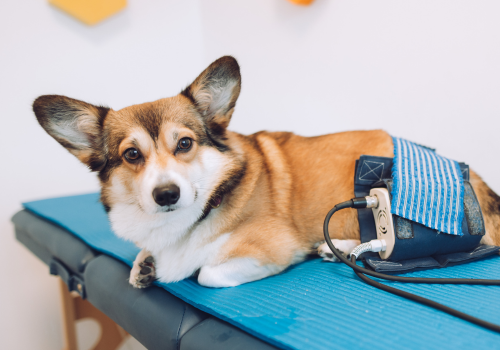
x=214, y=334
x=47, y=240
x=158, y=320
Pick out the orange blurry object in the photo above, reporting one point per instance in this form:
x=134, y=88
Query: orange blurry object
x=301, y=2
x=90, y=11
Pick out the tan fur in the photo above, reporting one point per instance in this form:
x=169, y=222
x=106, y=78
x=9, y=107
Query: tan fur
x=300, y=180
x=489, y=203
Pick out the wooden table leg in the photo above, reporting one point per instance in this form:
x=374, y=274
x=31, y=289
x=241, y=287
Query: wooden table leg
x=74, y=308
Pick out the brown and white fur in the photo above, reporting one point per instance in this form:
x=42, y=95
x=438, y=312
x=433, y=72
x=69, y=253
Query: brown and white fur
x=239, y=208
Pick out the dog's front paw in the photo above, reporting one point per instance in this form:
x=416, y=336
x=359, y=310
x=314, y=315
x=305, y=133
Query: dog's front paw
x=143, y=273
x=344, y=245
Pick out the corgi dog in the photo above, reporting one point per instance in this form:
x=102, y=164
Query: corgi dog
x=200, y=199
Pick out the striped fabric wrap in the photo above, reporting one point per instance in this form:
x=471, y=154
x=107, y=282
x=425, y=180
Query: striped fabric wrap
x=427, y=188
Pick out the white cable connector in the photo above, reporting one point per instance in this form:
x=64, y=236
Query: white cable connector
x=375, y=245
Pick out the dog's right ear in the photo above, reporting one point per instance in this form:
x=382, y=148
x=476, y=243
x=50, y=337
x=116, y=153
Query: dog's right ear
x=74, y=124
x=215, y=91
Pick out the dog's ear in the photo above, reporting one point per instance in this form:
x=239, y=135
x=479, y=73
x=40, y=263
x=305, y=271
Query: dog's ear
x=74, y=124
x=215, y=91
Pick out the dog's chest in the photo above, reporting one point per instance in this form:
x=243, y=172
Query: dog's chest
x=178, y=249
x=181, y=260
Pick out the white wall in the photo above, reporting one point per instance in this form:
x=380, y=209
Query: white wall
x=424, y=70
x=150, y=50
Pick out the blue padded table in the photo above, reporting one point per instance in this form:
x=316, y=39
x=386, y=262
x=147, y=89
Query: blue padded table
x=313, y=305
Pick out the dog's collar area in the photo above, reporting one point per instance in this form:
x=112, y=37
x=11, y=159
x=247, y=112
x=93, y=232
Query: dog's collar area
x=215, y=201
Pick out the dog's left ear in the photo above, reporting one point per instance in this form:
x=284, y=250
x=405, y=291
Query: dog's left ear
x=215, y=92
x=76, y=125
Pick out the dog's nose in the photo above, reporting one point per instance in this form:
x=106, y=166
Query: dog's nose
x=166, y=195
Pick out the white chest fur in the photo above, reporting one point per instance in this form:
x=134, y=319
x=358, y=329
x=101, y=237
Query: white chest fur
x=179, y=246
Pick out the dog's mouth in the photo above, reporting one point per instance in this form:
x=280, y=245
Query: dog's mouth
x=167, y=210
x=158, y=210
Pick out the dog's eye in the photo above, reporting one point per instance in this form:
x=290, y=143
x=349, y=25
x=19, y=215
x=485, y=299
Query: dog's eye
x=185, y=143
x=132, y=155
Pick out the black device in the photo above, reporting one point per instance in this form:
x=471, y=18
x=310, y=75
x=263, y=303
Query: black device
x=408, y=245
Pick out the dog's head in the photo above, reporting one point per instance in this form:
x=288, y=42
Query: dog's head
x=160, y=157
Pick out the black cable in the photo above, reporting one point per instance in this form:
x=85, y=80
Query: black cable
x=360, y=271
x=352, y=204
x=428, y=302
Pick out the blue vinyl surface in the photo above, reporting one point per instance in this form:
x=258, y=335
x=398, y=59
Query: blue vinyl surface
x=315, y=304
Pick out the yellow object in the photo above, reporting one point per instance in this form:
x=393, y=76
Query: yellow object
x=90, y=11
x=301, y=2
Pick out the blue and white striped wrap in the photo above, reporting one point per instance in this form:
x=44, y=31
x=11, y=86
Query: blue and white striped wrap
x=427, y=188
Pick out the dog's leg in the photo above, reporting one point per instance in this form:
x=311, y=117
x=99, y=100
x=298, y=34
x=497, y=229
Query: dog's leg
x=344, y=245
x=143, y=271
x=235, y=272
